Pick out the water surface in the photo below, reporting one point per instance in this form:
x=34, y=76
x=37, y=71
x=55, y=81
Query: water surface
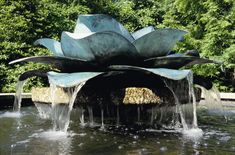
x=27, y=133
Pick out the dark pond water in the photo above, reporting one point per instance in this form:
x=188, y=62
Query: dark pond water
x=27, y=133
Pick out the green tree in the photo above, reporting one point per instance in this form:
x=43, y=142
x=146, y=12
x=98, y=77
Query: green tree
x=210, y=24
x=21, y=23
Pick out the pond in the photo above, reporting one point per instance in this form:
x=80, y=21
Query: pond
x=27, y=133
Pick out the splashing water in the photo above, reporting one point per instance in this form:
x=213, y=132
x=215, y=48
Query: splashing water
x=193, y=134
x=60, y=113
x=18, y=95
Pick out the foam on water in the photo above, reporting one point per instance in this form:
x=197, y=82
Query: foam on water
x=193, y=133
x=8, y=114
x=52, y=135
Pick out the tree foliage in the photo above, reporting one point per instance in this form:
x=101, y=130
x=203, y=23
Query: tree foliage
x=210, y=24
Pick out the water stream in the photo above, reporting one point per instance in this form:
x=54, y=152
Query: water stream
x=60, y=113
x=184, y=110
x=18, y=96
x=33, y=137
x=118, y=117
x=82, y=117
x=102, y=119
x=192, y=98
x=91, y=117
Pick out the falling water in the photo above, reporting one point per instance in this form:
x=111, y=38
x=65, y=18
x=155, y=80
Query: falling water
x=118, y=117
x=138, y=112
x=213, y=101
x=61, y=112
x=91, y=118
x=82, y=118
x=18, y=95
x=179, y=108
x=192, y=98
x=152, y=116
x=192, y=101
x=212, y=97
x=102, y=119
x=44, y=110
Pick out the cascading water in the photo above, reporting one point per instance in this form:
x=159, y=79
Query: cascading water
x=60, y=113
x=138, y=114
x=192, y=98
x=118, y=117
x=102, y=119
x=213, y=101
x=44, y=110
x=183, y=110
x=91, y=117
x=152, y=116
x=179, y=108
x=82, y=117
x=18, y=95
x=212, y=97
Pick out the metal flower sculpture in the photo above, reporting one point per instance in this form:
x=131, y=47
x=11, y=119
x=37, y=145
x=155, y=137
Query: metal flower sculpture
x=101, y=48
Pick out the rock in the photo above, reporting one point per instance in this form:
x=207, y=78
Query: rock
x=130, y=95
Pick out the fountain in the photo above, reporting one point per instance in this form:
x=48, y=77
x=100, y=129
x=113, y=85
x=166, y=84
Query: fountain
x=105, y=57
x=129, y=80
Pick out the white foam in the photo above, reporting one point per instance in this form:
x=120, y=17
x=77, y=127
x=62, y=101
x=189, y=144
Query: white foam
x=11, y=114
x=23, y=141
x=52, y=135
x=193, y=134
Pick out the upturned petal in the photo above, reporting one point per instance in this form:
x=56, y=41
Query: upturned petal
x=138, y=34
x=163, y=72
x=101, y=47
x=62, y=63
x=99, y=23
x=51, y=44
x=70, y=79
x=158, y=42
x=175, y=61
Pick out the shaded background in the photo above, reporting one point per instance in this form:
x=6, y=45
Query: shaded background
x=210, y=23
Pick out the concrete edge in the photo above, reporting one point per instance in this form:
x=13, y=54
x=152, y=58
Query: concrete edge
x=11, y=95
x=224, y=96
